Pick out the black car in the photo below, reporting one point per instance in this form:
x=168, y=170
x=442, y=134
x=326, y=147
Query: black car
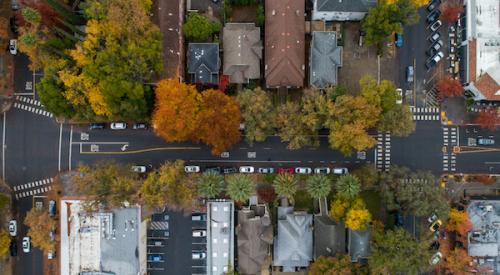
x=213, y=168
x=433, y=5
x=13, y=25
x=433, y=16
x=13, y=248
x=229, y=170
x=97, y=126
x=140, y=126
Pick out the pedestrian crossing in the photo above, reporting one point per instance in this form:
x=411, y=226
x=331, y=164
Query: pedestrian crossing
x=159, y=225
x=424, y=109
x=33, y=188
x=425, y=113
x=450, y=140
x=31, y=105
x=383, y=151
x=28, y=100
x=425, y=117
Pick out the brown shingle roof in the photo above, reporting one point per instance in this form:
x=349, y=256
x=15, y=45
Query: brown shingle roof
x=284, y=48
x=472, y=60
x=488, y=87
x=170, y=18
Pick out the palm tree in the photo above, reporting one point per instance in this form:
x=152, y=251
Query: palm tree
x=318, y=186
x=210, y=184
x=348, y=186
x=240, y=187
x=285, y=185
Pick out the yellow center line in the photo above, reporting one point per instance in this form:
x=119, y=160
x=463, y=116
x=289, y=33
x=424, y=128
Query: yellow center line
x=141, y=151
x=478, y=150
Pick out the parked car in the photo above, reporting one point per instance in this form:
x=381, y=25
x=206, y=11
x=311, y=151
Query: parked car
x=52, y=234
x=435, y=48
x=155, y=258
x=139, y=169
x=140, y=126
x=322, y=170
x=13, y=25
x=435, y=225
x=13, y=247
x=303, y=170
x=282, y=170
x=436, y=25
x=434, y=60
x=13, y=228
x=246, y=169
x=192, y=169
x=434, y=37
x=399, y=40
x=198, y=255
x=118, y=126
x=265, y=170
x=97, y=126
x=13, y=46
x=229, y=170
x=399, y=100
x=409, y=74
x=432, y=218
x=198, y=217
x=433, y=5
x=485, y=141
x=438, y=57
x=52, y=208
x=51, y=254
x=436, y=258
x=433, y=16
x=216, y=169
x=340, y=171
x=199, y=233
x=26, y=244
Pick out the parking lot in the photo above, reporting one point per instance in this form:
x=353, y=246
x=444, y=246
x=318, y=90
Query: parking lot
x=171, y=243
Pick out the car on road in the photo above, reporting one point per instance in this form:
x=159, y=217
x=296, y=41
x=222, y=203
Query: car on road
x=288, y=170
x=51, y=254
x=322, y=170
x=198, y=217
x=485, y=141
x=215, y=169
x=13, y=46
x=265, y=170
x=118, y=126
x=26, y=244
x=13, y=247
x=247, y=169
x=303, y=170
x=436, y=25
x=155, y=258
x=229, y=170
x=435, y=48
x=340, y=171
x=199, y=233
x=436, y=258
x=434, y=37
x=192, y=169
x=435, y=225
x=13, y=228
x=139, y=169
x=433, y=16
x=140, y=126
x=433, y=5
x=198, y=255
x=97, y=126
x=399, y=99
x=409, y=74
x=52, y=208
x=13, y=25
x=399, y=40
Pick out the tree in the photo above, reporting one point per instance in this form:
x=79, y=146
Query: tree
x=451, y=10
x=219, y=121
x=348, y=186
x=449, y=87
x=50, y=90
x=31, y=16
x=381, y=95
x=379, y=24
x=339, y=265
x=176, y=114
x=314, y=110
x=417, y=3
x=459, y=222
x=198, y=28
x=398, y=121
x=266, y=194
x=4, y=242
x=260, y=17
x=339, y=207
x=488, y=119
x=40, y=224
x=210, y=184
x=257, y=113
x=240, y=187
x=457, y=262
x=318, y=185
x=397, y=251
x=290, y=126
x=367, y=175
x=407, y=12
x=285, y=185
x=358, y=218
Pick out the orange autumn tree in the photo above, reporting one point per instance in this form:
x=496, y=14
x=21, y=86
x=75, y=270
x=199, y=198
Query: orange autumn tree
x=448, y=87
x=457, y=262
x=459, y=222
x=219, y=119
x=488, y=119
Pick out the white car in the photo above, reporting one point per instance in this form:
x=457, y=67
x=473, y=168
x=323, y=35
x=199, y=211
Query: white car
x=199, y=233
x=436, y=258
x=198, y=255
x=340, y=171
x=118, y=126
x=13, y=228
x=247, y=169
x=26, y=244
x=399, y=100
x=51, y=255
x=436, y=25
x=322, y=170
x=191, y=169
x=303, y=170
x=139, y=168
x=13, y=46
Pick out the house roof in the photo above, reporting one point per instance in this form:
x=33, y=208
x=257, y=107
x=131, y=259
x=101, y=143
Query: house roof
x=345, y=6
x=242, y=51
x=255, y=234
x=359, y=242
x=325, y=59
x=329, y=237
x=203, y=62
x=488, y=87
x=171, y=29
x=220, y=236
x=285, y=49
x=293, y=244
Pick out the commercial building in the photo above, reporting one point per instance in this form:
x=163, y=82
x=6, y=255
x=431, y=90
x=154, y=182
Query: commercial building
x=220, y=236
x=338, y=10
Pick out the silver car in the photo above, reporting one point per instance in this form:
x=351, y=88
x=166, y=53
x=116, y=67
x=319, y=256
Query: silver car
x=303, y=170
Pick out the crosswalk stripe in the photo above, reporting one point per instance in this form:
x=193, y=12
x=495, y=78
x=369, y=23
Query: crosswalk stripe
x=44, y=181
x=51, y=180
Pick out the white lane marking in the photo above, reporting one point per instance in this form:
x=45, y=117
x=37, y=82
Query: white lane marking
x=70, y=145
x=60, y=144
x=3, y=145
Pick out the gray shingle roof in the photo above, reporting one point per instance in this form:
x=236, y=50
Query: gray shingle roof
x=329, y=237
x=203, y=62
x=345, y=5
x=325, y=59
x=359, y=243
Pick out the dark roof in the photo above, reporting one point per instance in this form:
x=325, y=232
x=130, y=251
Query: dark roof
x=345, y=5
x=325, y=59
x=203, y=62
x=329, y=237
x=170, y=22
x=359, y=243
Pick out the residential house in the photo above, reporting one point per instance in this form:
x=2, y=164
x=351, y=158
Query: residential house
x=358, y=245
x=220, y=236
x=329, y=237
x=325, y=59
x=341, y=10
x=284, y=43
x=293, y=244
x=242, y=52
x=204, y=63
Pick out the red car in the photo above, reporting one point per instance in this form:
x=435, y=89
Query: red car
x=282, y=170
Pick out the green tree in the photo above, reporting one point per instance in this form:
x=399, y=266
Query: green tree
x=260, y=17
x=398, y=121
x=31, y=16
x=348, y=186
x=379, y=24
x=210, y=184
x=318, y=185
x=335, y=91
x=198, y=28
x=290, y=126
x=4, y=201
x=396, y=251
x=381, y=95
x=51, y=92
x=285, y=185
x=407, y=12
x=40, y=224
x=338, y=265
x=4, y=242
x=367, y=175
x=257, y=113
x=240, y=187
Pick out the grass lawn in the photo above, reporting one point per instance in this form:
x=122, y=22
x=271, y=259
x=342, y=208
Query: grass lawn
x=303, y=201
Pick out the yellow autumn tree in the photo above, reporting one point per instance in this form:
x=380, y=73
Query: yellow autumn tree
x=358, y=217
x=338, y=207
x=417, y=3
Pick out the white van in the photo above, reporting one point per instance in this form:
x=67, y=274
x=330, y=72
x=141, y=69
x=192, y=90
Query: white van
x=340, y=171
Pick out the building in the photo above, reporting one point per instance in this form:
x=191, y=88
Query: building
x=293, y=246
x=481, y=73
x=204, y=63
x=325, y=59
x=284, y=43
x=111, y=242
x=173, y=56
x=358, y=245
x=329, y=237
x=220, y=236
x=242, y=52
x=255, y=235
x=338, y=10
x=483, y=239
